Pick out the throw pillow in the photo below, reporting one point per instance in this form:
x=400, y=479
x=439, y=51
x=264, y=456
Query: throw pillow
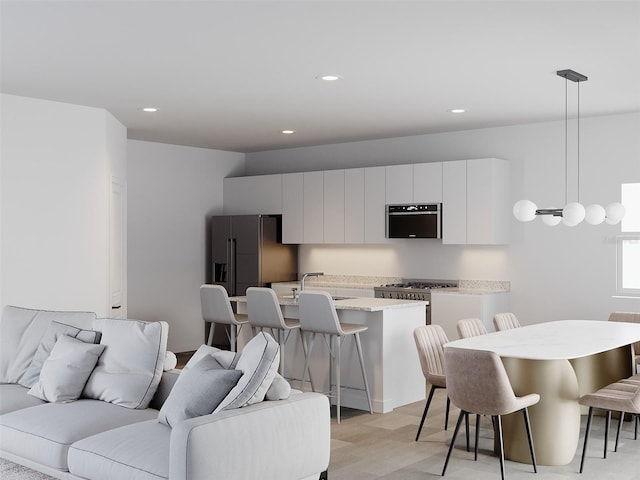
x=279, y=389
x=198, y=391
x=258, y=362
x=129, y=370
x=54, y=331
x=22, y=329
x=67, y=369
x=226, y=358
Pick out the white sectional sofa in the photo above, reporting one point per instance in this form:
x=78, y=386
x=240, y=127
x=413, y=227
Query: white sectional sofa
x=115, y=429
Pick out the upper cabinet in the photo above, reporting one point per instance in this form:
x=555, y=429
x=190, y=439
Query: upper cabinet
x=374, y=205
x=427, y=182
x=454, y=202
x=334, y=206
x=313, y=207
x=253, y=195
x=292, y=208
x=354, y=205
x=399, y=184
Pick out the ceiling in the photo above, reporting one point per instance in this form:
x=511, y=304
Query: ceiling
x=231, y=75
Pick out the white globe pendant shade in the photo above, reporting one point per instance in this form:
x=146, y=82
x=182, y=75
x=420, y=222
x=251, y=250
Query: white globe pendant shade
x=525, y=210
x=615, y=213
x=551, y=220
x=594, y=214
x=572, y=214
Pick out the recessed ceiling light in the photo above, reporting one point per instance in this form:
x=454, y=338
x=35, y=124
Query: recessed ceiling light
x=149, y=109
x=329, y=78
x=288, y=132
x=457, y=110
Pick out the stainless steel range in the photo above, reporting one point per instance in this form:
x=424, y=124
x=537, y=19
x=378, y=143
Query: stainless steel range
x=413, y=290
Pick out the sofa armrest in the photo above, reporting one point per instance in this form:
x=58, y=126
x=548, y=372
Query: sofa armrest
x=272, y=440
x=167, y=382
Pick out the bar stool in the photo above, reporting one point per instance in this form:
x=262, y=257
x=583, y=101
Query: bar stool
x=216, y=308
x=265, y=312
x=318, y=315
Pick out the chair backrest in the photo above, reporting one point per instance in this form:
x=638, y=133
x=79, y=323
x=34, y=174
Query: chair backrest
x=263, y=308
x=505, y=321
x=215, y=305
x=630, y=317
x=429, y=342
x=470, y=327
x=318, y=313
x=477, y=382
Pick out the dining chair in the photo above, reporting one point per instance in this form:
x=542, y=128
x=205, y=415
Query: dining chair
x=505, y=321
x=477, y=383
x=216, y=308
x=318, y=316
x=470, y=327
x=623, y=397
x=631, y=317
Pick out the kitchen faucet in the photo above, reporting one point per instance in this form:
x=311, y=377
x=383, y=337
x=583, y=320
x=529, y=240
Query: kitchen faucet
x=311, y=274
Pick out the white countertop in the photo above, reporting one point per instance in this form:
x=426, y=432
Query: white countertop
x=560, y=340
x=364, y=304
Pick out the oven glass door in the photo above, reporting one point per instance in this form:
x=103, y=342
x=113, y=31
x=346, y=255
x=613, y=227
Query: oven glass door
x=413, y=225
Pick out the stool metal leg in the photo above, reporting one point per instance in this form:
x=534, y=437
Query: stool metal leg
x=306, y=356
x=364, y=373
x=211, y=330
x=306, y=360
x=338, y=346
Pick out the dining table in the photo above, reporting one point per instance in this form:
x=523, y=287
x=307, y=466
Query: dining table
x=561, y=361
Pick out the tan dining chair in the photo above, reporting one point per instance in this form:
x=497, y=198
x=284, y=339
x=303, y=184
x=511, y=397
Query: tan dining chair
x=477, y=383
x=470, y=327
x=318, y=316
x=216, y=309
x=505, y=321
x=623, y=397
x=630, y=317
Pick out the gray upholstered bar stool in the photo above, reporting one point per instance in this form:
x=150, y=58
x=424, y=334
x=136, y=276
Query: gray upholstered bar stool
x=265, y=312
x=505, y=321
x=318, y=315
x=216, y=308
x=470, y=327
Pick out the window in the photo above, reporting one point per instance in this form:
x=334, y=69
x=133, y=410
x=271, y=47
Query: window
x=628, y=251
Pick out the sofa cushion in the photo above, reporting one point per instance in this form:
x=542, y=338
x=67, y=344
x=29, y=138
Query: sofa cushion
x=49, y=339
x=129, y=370
x=198, y=391
x=22, y=330
x=44, y=433
x=66, y=371
x=258, y=362
x=132, y=452
x=14, y=397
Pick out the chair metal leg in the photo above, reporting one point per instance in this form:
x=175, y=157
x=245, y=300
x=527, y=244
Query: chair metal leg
x=466, y=424
x=586, y=437
x=210, y=338
x=620, y=420
x=500, y=445
x=475, y=450
x=426, y=409
x=338, y=347
x=306, y=360
x=453, y=440
x=446, y=413
x=364, y=373
x=607, y=422
x=527, y=424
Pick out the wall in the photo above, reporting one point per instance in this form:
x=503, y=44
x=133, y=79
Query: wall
x=171, y=192
x=56, y=161
x=555, y=273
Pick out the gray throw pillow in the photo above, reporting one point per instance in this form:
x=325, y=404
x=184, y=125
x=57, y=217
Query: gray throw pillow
x=54, y=331
x=198, y=391
x=66, y=371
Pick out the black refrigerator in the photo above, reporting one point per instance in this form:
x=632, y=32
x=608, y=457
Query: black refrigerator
x=247, y=251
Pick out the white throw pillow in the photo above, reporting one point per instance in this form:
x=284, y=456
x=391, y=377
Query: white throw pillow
x=259, y=362
x=226, y=358
x=198, y=391
x=279, y=389
x=129, y=370
x=65, y=372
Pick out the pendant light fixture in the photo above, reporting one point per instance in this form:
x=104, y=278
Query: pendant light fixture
x=573, y=212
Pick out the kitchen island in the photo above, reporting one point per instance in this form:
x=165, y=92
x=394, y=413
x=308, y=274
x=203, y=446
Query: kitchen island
x=390, y=355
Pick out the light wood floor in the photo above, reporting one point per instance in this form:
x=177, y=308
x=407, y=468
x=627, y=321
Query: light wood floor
x=382, y=446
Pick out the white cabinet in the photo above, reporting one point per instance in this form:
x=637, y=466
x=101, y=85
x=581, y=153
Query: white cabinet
x=427, y=182
x=252, y=195
x=334, y=206
x=313, y=207
x=399, y=184
x=354, y=205
x=292, y=208
x=374, y=205
x=454, y=202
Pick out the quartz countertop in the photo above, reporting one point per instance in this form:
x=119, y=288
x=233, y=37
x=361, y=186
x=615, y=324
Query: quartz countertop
x=467, y=291
x=364, y=304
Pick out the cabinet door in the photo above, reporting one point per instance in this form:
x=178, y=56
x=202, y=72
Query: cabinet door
x=354, y=205
x=260, y=194
x=454, y=202
x=427, y=182
x=487, y=201
x=313, y=207
x=374, y=205
x=399, y=184
x=334, y=206
x=292, y=208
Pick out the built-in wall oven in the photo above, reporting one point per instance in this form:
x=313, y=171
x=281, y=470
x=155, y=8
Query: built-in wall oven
x=413, y=290
x=416, y=220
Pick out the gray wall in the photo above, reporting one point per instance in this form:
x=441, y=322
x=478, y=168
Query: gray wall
x=555, y=272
